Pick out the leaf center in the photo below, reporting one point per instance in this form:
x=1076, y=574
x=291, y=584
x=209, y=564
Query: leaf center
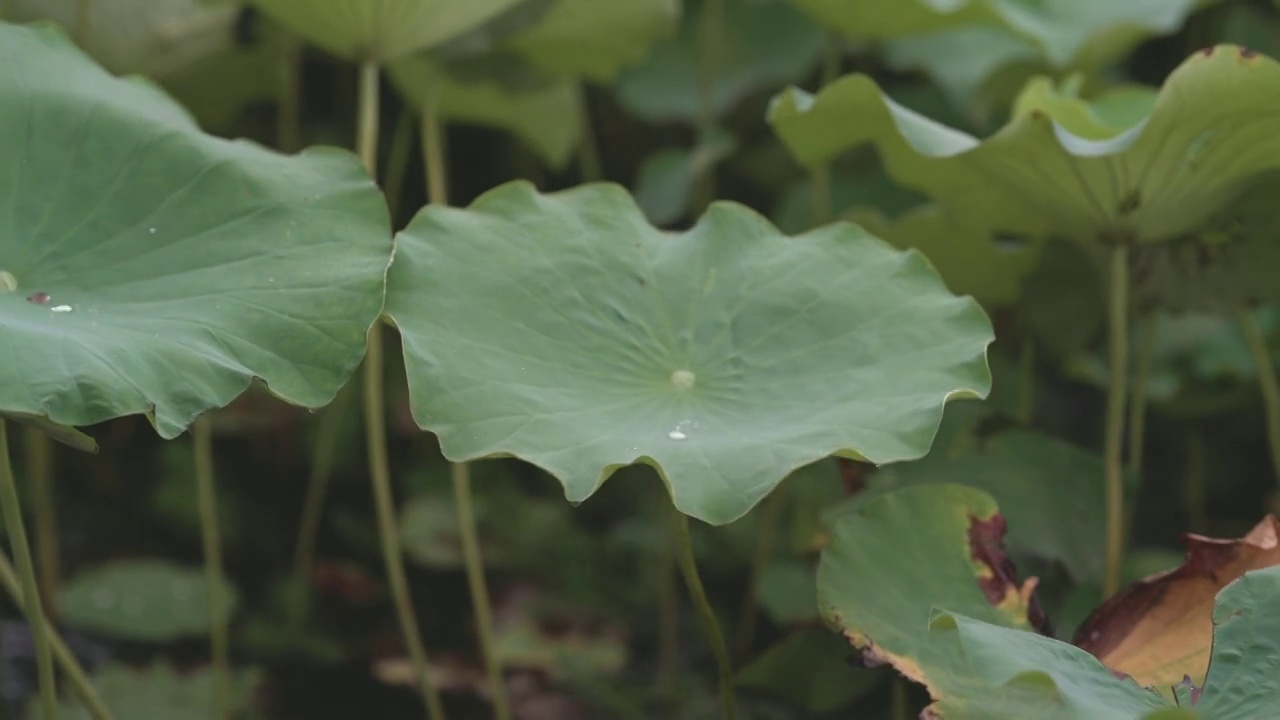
x=683, y=380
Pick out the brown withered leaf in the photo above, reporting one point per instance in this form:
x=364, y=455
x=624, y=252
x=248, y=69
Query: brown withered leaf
x=1160, y=629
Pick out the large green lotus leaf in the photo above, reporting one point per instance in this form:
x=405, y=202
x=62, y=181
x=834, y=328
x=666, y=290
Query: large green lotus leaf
x=565, y=330
x=141, y=600
x=1062, y=30
x=1205, y=141
x=546, y=117
x=382, y=30
x=1049, y=491
x=766, y=44
x=158, y=692
x=970, y=258
x=905, y=553
x=969, y=64
x=1116, y=110
x=1244, y=668
x=992, y=672
x=159, y=270
x=884, y=19
x=153, y=37
x=890, y=561
x=593, y=39
x=981, y=66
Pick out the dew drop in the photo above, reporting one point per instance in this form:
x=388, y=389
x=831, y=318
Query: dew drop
x=8, y=283
x=682, y=380
x=681, y=431
x=152, y=231
x=60, y=309
x=104, y=598
x=39, y=298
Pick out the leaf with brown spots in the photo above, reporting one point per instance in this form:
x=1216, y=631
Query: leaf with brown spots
x=1160, y=629
x=918, y=578
x=895, y=558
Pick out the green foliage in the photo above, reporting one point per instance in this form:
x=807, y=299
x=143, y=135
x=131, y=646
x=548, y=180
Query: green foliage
x=147, y=278
x=688, y=367
x=141, y=600
x=1043, y=202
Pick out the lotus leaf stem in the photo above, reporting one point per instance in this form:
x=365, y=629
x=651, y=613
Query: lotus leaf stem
x=375, y=422
x=1138, y=396
x=83, y=23
x=1027, y=381
x=80, y=683
x=207, y=503
x=289, y=104
x=12, y=510
x=901, y=711
x=434, y=161
x=397, y=165
x=304, y=556
x=697, y=593
x=39, y=452
x=433, y=149
x=1113, y=440
x=1266, y=370
x=711, y=50
x=480, y=605
x=589, y=166
x=668, y=613
x=766, y=534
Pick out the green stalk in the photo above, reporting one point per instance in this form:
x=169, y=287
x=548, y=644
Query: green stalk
x=1266, y=370
x=80, y=683
x=288, y=110
x=711, y=44
x=589, y=166
x=820, y=210
x=433, y=149
x=765, y=536
x=668, y=616
x=83, y=23
x=1138, y=396
x=1113, y=441
x=697, y=593
x=900, y=699
x=1027, y=381
x=332, y=415
x=12, y=510
x=304, y=556
x=398, y=160
x=207, y=502
x=480, y=605
x=40, y=475
x=434, y=161
x=375, y=421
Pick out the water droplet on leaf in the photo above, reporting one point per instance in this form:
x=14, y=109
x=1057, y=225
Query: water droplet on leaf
x=61, y=308
x=152, y=231
x=677, y=435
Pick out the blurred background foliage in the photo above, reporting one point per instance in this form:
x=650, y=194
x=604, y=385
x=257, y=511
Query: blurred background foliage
x=668, y=98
